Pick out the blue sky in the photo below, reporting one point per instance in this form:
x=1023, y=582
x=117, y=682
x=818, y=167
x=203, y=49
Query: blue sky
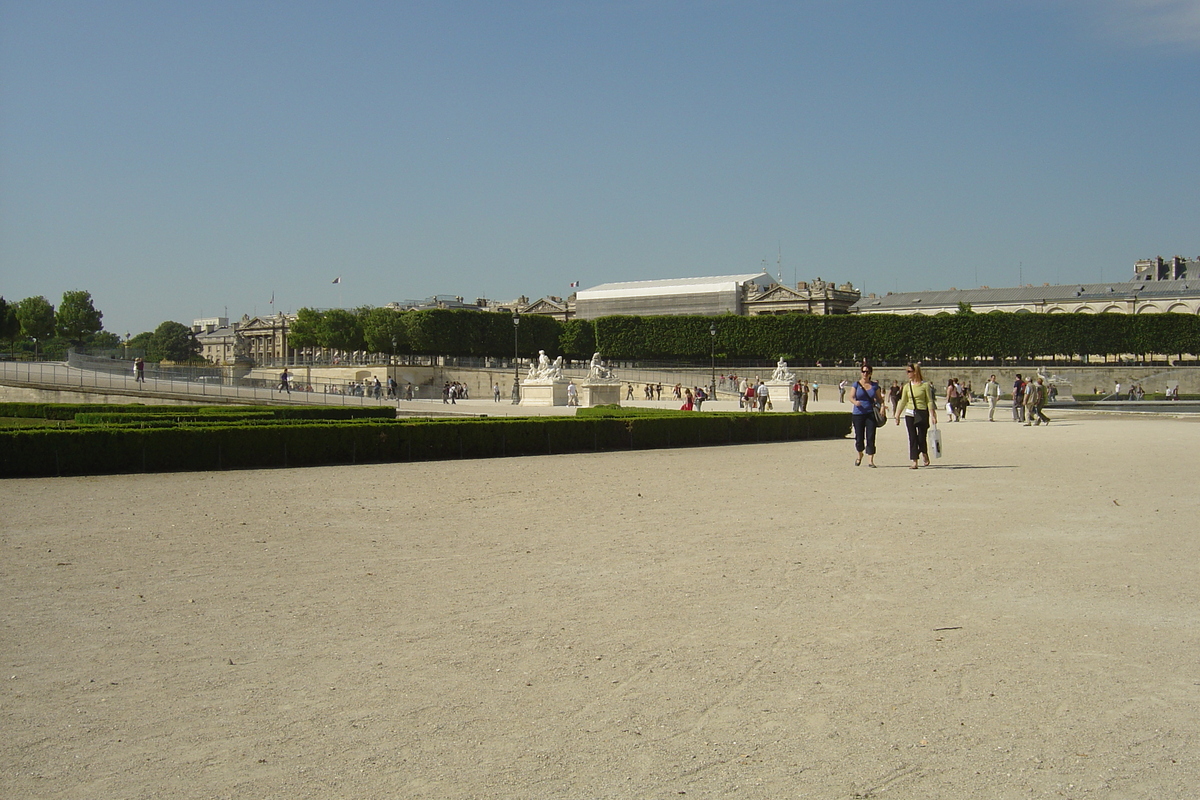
x=180, y=159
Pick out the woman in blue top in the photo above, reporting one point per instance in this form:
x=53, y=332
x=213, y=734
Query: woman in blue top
x=865, y=395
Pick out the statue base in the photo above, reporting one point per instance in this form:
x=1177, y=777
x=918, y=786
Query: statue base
x=781, y=395
x=543, y=394
x=600, y=394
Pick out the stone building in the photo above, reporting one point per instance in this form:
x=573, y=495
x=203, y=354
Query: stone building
x=815, y=297
x=719, y=294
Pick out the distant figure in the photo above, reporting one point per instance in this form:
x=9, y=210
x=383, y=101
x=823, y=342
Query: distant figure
x=763, y=395
x=991, y=393
x=496, y=392
x=139, y=370
x=284, y=382
x=572, y=394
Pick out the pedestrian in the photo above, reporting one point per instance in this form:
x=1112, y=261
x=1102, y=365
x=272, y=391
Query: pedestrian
x=865, y=397
x=701, y=396
x=748, y=399
x=952, y=397
x=762, y=395
x=1030, y=400
x=919, y=408
x=1039, y=402
x=893, y=398
x=688, y=404
x=797, y=395
x=139, y=370
x=991, y=393
x=283, y=382
x=842, y=390
x=572, y=394
x=1018, y=399
x=803, y=396
x=816, y=388
x=496, y=392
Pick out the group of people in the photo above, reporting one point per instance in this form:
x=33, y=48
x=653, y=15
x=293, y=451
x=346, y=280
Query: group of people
x=1029, y=397
x=453, y=391
x=913, y=402
x=958, y=399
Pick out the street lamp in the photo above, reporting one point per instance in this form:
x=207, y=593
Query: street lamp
x=712, y=387
x=516, y=390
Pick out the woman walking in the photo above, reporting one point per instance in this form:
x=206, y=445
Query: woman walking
x=919, y=409
x=865, y=396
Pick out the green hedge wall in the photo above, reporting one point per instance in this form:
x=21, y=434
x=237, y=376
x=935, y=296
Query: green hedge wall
x=116, y=449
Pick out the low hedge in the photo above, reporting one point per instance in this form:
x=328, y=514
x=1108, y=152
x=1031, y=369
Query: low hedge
x=100, y=450
x=68, y=411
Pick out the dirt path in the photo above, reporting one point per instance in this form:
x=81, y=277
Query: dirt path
x=757, y=622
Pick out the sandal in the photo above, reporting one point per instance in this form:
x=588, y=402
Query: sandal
x=858, y=460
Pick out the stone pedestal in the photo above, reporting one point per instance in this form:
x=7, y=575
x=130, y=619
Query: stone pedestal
x=781, y=395
x=543, y=394
x=600, y=394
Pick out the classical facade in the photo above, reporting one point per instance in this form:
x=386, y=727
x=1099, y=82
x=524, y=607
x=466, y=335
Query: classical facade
x=220, y=342
x=809, y=297
x=1176, y=296
x=266, y=338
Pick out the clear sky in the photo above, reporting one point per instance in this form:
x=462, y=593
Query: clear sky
x=178, y=160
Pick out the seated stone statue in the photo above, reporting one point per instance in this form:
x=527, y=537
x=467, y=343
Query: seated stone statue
x=599, y=372
x=782, y=373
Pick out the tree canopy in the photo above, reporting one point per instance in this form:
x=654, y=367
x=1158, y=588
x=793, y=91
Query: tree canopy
x=77, y=319
x=173, y=341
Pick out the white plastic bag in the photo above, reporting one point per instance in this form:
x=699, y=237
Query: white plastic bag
x=935, y=441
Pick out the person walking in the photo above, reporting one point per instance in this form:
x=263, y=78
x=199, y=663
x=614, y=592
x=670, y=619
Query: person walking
x=572, y=394
x=1018, y=406
x=139, y=370
x=842, y=390
x=797, y=395
x=919, y=409
x=991, y=393
x=865, y=397
x=1039, y=402
x=1030, y=400
x=952, y=400
x=284, y=382
x=496, y=392
x=762, y=395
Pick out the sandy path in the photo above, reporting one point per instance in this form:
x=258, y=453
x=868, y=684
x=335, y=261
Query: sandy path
x=760, y=621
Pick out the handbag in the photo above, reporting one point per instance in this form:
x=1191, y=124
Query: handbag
x=881, y=416
x=935, y=440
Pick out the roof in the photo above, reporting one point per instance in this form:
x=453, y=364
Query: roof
x=1058, y=293
x=671, y=286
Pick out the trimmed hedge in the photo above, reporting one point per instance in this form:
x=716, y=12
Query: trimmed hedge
x=68, y=411
x=101, y=450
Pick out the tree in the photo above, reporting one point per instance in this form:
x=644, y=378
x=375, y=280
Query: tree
x=77, y=319
x=305, y=330
x=384, y=330
x=340, y=330
x=10, y=326
x=37, y=319
x=173, y=341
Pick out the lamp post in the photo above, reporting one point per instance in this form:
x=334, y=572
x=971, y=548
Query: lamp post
x=712, y=332
x=516, y=390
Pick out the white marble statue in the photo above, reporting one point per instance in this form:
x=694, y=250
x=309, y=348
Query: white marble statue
x=599, y=372
x=782, y=374
x=545, y=371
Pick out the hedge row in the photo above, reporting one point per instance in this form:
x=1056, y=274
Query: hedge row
x=68, y=411
x=102, y=450
x=798, y=337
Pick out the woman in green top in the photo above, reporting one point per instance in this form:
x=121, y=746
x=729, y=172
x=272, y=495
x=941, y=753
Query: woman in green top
x=918, y=408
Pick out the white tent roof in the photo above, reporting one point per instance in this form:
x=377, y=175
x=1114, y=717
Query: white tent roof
x=672, y=286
